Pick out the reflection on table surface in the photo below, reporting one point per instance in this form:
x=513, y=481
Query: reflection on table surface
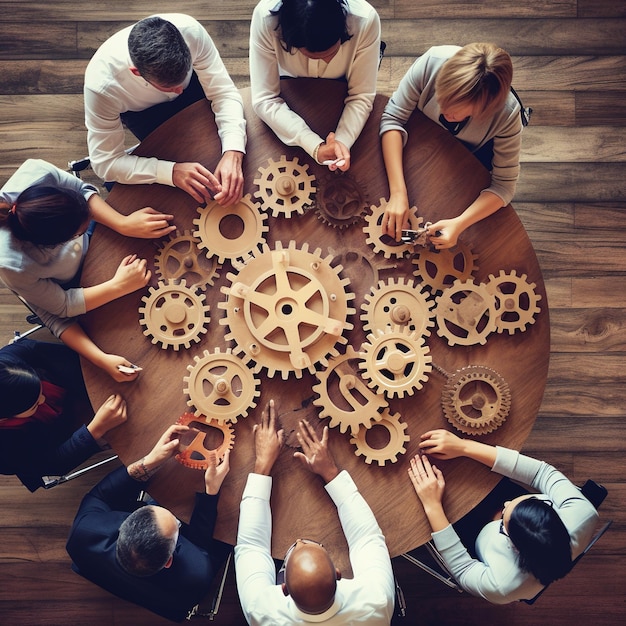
x=442, y=178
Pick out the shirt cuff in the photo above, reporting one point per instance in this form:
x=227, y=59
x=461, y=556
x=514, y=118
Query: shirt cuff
x=341, y=487
x=258, y=486
x=165, y=173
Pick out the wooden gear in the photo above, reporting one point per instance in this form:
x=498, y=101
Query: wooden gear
x=438, y=269
x=389, y=452
x=196, y=454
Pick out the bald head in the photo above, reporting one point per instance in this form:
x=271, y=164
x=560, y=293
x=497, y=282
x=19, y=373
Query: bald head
x=310, y=578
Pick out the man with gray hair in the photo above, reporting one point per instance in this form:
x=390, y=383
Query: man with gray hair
x=139, y=78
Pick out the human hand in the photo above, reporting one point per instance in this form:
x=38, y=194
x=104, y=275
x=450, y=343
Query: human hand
x=131, y=274
x=216, y=472
x=196, y=180
x=396, y=216
x=427, y=480
x=165, y=448
x=267, y=442
x=315, y=453
x=442, y=444
x=444, y=233
x=333, y=150
x=230, y=175
x=112, y=413
x=147, y=223
x=109, y=363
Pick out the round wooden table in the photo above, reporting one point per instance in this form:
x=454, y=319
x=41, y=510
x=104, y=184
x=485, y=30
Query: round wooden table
x=442, y=178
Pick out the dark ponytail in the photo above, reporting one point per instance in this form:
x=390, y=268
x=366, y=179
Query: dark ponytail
x=47, y=216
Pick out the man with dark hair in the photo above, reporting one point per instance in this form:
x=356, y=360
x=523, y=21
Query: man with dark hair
x=142, y=76
x=336, y=39
x=142, y=553
x=313, y=590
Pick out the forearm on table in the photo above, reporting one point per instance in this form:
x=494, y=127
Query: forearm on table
x=102, y=294
x=485, y=205
x=393, y=148
x=76, y=338
x=105, y=214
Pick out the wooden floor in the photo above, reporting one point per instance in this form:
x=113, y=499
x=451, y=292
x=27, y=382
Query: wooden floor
x=570, y=66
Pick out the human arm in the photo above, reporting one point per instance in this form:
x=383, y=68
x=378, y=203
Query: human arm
x=145, y=223
x=229, y=172
x=111, y=414
x=74, y=337
x=132, y=273
x=396, y=216
x=369, y=556
x=164, y=449
x=315, y=455
x=268, y=442
x=442, y=444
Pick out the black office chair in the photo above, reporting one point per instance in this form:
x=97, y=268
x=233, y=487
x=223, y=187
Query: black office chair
x=429, y=559
x=209, y=607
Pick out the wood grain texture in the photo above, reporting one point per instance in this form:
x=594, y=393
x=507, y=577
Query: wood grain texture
x=570, y=65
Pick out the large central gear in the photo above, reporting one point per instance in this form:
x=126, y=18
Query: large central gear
x=180, y=257
x=196, y=454
x=438, y=269
x=344, y=397
x=221, y=385
x=340, y=200
x=466, y=313
x=287, y=309
x=285, y=187
x=231, y=232
x=384, y=243
x=400, y=304
x=516, y=301
x=396, y=361
x=174, y=315
x=476, y=400
x=397, y=437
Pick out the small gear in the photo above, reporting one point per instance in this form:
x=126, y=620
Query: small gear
x=395, y=360
x=287, y=309
x=516, y=301
x=285, y=187
x=231, y=232
x=340, y=200
x=196, y=454
x=344, y=397
x=221, y=385
x=466, y=313
x=174, y=315
x=384, y=243
x=438, y=269
x=397, y=438
x=476, y=400
x=180, y=257
x=398, y=303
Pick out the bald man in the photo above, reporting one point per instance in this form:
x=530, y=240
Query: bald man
x=312, y=590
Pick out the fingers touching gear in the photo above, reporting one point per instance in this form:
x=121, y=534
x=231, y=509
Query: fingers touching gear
x=208, y=436
x=384, y=243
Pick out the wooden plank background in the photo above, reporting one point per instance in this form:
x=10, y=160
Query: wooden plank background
x=570, y=66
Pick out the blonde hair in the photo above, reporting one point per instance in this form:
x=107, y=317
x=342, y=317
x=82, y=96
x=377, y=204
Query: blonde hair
x=479, y=74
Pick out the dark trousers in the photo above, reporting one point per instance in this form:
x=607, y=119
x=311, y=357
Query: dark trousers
x=142, y=123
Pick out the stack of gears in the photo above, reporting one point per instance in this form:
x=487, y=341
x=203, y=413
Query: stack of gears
x=286, y=311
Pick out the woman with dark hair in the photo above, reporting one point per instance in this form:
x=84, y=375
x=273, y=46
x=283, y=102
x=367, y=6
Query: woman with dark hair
x=531, y=542
x=41, y=392
x=467, y=91
x=45, y=214
x=336, y=39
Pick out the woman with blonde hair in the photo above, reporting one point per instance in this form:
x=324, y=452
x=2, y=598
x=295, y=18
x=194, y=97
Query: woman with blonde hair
x=468, y=92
